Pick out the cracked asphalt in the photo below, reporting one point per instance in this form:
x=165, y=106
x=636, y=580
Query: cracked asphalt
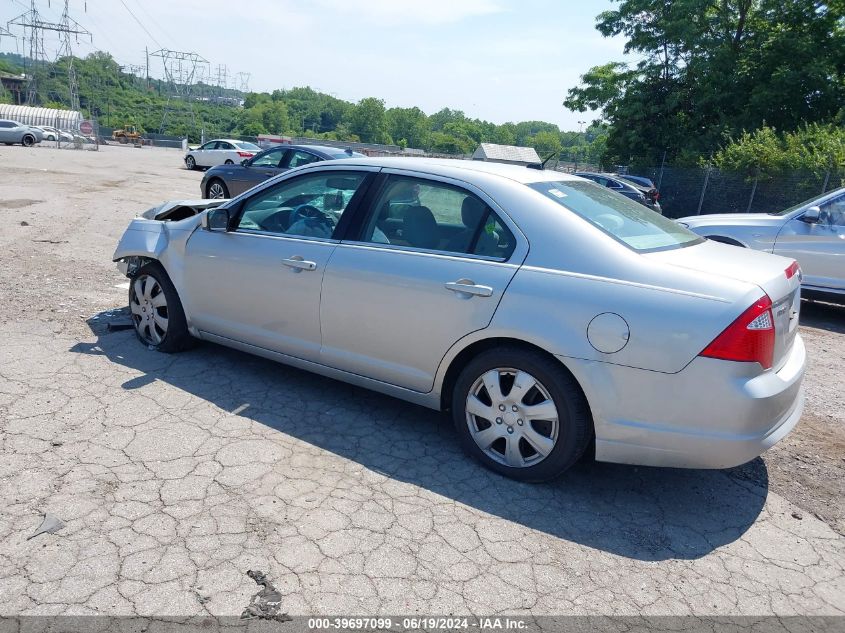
x=175, y=475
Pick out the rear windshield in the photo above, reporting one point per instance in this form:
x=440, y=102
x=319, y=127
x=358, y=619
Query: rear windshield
x=249, y=146
x=346, y=155
x=629, y=222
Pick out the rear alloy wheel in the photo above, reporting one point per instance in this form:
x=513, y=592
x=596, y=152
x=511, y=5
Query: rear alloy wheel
x=190, y=163
x=156, y=310
x=217, y=189
x=28, y=140
x=521, y=414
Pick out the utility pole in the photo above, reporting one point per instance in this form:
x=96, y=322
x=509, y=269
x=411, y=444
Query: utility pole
x=31, y=21
x=179, y=70
x=243, y=82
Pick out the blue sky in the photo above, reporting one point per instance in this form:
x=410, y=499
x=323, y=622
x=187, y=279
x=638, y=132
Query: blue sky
x=499, y=60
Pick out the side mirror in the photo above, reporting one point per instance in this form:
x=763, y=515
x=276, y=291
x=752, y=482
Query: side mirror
x=811, y=215
x=245, y=162
x=216, y=220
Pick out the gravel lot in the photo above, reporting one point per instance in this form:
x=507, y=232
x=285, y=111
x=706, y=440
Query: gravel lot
x=175, y=475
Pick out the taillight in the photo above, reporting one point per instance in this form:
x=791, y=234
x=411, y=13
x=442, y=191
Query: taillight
x=794, y=269
x=656, y=195
x=246, y=154
x=749, y=339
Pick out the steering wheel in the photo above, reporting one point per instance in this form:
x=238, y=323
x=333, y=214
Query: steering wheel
x=311, y=214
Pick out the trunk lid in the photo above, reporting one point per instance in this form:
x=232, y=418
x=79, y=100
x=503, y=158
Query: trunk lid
x=767, y=272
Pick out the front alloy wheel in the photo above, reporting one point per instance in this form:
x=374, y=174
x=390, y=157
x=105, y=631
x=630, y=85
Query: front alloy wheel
x=190, y=162
x=217, y=190
x=148, y=305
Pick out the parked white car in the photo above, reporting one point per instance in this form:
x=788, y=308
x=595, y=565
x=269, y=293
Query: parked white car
x=221, y=151
x=12, y=132
x=54, y=134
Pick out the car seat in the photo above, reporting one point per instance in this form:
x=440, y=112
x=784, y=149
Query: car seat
x=419, y=228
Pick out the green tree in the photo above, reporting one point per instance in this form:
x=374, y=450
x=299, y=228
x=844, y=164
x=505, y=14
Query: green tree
x=714, y=67
x=367, y=120
x=410, y=124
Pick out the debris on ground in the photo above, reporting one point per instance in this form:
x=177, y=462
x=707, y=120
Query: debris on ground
x=123, y=324
x=50, y=525
x=797, y=515
x=267, y=603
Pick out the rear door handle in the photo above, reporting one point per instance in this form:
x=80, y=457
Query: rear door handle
x=298, y=263
x=466, y=286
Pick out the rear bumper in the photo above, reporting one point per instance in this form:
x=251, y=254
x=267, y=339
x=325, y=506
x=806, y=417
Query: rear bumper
x=713, y=414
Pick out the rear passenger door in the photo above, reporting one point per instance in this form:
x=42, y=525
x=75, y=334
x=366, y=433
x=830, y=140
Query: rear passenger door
x=426, y=265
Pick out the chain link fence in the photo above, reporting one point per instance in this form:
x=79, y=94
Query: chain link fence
x=698, y=191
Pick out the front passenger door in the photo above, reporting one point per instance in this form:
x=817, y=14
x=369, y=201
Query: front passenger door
x=257, y=169
x=818, y=247
x=259, y=282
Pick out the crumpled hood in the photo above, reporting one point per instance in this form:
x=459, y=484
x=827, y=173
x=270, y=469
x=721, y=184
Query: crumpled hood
x=166, y=209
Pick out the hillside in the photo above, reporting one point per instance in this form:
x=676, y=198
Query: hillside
x=116, y=98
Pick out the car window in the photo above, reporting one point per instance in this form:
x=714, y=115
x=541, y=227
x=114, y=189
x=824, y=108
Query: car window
x=270, y=158
x=419, y=213
x=6, y=124
x=225, y=145
x=209, y=145
x=307, y=206
x=832, y=212
x=625, y=220
x=248, y=146
x=299, y=158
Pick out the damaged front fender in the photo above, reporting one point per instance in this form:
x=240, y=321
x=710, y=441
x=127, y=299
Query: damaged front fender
x=143, y=238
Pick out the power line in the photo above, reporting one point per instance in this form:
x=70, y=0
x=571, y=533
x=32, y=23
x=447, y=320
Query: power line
x=135, y=17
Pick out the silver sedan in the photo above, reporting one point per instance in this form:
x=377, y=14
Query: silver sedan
x=812, y=232
x=544, y=312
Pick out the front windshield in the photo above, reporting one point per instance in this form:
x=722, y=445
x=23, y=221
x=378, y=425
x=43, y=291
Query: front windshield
x=629, y=222
x=249, y=146
x=795, y=207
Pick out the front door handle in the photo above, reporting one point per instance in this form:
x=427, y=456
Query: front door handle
x=298, y=263
x=467, y=286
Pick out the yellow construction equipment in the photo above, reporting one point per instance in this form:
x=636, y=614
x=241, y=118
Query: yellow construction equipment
x=126, y=134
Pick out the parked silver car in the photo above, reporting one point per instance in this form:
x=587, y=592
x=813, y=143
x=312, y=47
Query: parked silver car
x=13, y=132
x=542, y=310
x=812, y=232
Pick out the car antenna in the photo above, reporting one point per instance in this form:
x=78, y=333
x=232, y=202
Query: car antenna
x=542, y=166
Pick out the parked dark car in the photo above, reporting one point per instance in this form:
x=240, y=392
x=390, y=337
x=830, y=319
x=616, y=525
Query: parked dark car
x=626, y=187
x=228, y=181
x=642, y=181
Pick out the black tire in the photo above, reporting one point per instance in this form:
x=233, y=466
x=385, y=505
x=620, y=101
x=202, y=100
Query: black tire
x=229, y=162
x=212, y=183
x=28, y=140
x=190, y=163
x=176, y=338
x=575, y=425
x=123, y=140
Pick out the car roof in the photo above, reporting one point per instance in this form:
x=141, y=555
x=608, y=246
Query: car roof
x=460, y=168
